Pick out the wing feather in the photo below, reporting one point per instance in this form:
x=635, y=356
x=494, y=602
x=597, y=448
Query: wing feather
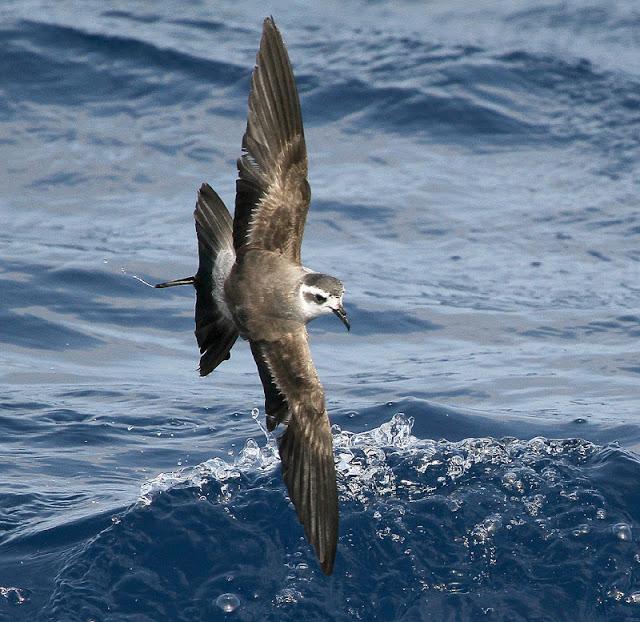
x=275, y=404
x=272, y=192
x=306, y=448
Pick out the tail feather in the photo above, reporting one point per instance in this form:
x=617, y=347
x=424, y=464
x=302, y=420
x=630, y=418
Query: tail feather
x=215, y=333
x=189, y=280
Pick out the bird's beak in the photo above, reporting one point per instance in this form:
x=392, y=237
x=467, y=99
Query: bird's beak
x=342, y=314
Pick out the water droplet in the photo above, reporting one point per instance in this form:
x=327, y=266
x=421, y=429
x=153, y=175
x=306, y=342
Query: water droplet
x=486, y=529
x=254, y=413
x=581, y=530
x=511, y=481
x=615, y=594
x=622, y=531
x=228, y=602
x=601, y=513
x=633, y=598
x=288, y=596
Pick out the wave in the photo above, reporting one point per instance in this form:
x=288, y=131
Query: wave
x=48, y=63
x=480, y=98
x=403, y=85
x=510, y=527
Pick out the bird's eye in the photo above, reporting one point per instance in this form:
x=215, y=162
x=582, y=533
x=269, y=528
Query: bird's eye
x=320, y=299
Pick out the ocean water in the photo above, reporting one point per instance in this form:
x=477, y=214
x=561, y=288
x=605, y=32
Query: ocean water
x=476, y=181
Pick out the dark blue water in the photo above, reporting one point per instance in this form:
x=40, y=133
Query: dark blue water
x=475, y=175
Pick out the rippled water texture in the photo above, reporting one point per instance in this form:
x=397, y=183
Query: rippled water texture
x=475, y=180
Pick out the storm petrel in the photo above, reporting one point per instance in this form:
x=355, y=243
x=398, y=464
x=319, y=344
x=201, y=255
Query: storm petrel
x=251, y=282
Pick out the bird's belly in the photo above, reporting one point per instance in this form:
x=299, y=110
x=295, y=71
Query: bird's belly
x=260, y=294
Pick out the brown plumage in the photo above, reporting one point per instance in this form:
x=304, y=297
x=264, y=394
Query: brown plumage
x=250, y=282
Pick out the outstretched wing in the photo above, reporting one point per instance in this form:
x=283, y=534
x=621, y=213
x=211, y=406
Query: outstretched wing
x=275, y=404
x=306, y=448
x=272, y=192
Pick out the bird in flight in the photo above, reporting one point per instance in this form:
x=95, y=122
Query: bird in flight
x=251, y=283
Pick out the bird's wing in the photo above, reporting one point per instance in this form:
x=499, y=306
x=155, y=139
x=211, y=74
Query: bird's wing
x=306, y=448
x=275, y=404
x=215, y=333
x=272, y=192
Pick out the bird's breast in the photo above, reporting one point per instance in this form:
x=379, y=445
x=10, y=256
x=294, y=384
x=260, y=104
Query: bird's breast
x=261, y=294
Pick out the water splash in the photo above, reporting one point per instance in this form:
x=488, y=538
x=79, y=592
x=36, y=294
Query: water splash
x=470, y=518
x=255, y=415
x=287, y=596
x=250, y=460
x=14, y=595
x=136, y=277
x=471, y=496
x=367, y=465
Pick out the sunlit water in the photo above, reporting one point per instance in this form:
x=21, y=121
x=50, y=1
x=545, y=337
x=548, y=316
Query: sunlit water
x=475, y=184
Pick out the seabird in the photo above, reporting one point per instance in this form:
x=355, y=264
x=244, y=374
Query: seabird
x=251, y=283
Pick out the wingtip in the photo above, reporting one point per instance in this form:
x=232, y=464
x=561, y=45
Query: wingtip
x=326, y=564
x=203, y=191
x=327, y=567
x=269, y=27
x=310, y=480
x=206, y=190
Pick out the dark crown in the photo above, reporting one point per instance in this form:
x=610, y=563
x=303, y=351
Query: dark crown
x=327, y=283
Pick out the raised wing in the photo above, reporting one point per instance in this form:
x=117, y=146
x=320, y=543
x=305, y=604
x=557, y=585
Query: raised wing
x=272, y=192
x=306, y=448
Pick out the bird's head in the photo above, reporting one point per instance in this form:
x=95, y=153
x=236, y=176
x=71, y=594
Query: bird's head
x=320, y=294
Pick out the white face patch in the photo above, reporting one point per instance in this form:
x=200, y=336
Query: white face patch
x=315, y=301
x=313, y=290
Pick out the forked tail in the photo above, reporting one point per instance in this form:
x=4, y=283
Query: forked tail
x=215, y=331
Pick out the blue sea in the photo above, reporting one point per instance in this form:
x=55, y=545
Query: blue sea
x=475, y=171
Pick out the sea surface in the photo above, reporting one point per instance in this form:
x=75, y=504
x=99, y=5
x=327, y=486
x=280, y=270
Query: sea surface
x=475, y=170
